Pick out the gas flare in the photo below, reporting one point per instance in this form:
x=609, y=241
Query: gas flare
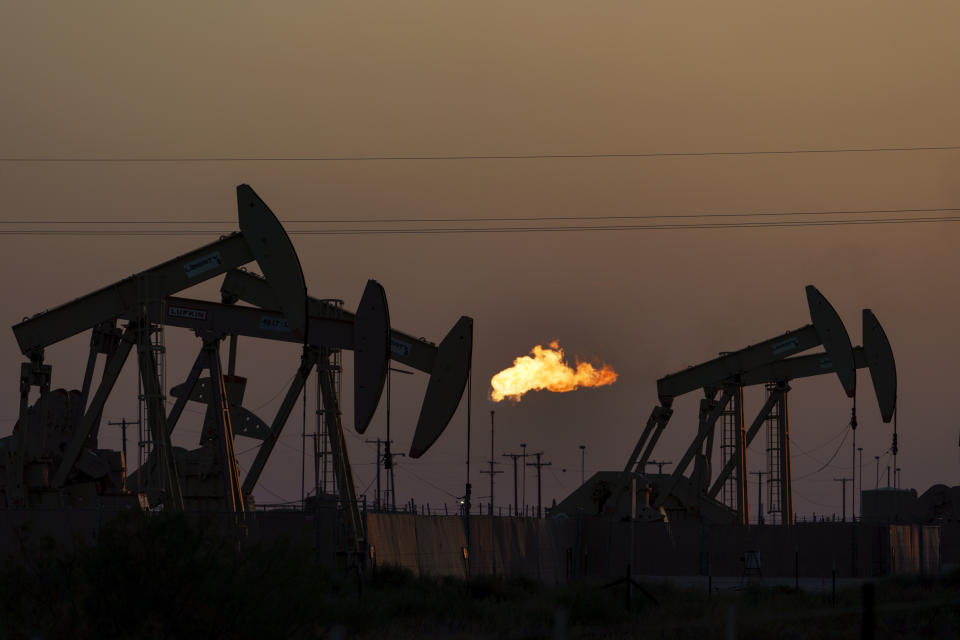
x=546, y=369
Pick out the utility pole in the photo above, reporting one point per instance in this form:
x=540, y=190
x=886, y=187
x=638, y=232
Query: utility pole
x=853, y=465
x=659, y=464
x=123, y=424
x=514, y=456
x=388, y=467
x=583, y=459
x=523, y=486
x=538, y=465
x=387, y=456
x=844, y=490
x=877, y=458
x=759, y=475
x=860, y=451
x=376, y=502
x=491, y=462
x=466, y=493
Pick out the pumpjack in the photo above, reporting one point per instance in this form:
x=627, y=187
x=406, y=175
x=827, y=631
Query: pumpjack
x=637, y=494
x=52, y=458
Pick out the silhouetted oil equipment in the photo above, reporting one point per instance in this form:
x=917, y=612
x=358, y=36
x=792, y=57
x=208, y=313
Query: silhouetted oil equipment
x=768, y=363
x=447, y=364
x=36, y=461
x=52, y=458
x=367, y=336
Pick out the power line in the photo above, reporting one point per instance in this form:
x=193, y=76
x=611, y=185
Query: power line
x=531, y=156
x=492, y=229
x=515, y=219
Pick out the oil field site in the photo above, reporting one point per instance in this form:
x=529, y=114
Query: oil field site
x=529, y=321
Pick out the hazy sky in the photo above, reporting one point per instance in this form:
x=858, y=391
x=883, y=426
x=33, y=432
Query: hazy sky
x=109, y=79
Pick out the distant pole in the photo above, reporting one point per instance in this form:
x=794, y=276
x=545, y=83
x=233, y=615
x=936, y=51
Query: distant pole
x=514, y=456
x=316, y=467
x=853, y=463
x=123, y=424
x=660, y=464
x=388, y=466
x=844, y=491
x=894, y=448
x=466, y=494
x=759, y=475
x=539, y=465
x=376, y=501
x=469, y=411
x=860, y=451
x=492, y=413
x=491, y=462
x=896, y=478
x=523, y=486
x=877, y=458
x=387, y=462
x=387, y=456
x=888, y=476
x=583, y=458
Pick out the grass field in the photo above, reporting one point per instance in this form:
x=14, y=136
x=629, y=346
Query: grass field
x=164, y=577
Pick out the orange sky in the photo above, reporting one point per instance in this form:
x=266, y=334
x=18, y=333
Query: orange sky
x=299, y=79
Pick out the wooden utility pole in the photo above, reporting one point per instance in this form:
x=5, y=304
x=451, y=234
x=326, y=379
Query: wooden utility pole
x=539, y=465
x=492, y=463
x=514, y=456
x=844, y=481
x=377, y=501
x=759, y=475
x=123, y=424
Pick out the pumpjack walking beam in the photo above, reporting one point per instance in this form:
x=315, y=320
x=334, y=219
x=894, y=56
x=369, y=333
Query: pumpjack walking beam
x=826, y=329
x=767, y=362
x=367, y=335
x=447, y=364
x=261, y=238
x=876, y=355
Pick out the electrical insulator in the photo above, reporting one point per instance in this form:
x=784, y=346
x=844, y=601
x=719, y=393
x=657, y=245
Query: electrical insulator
x=893, y=448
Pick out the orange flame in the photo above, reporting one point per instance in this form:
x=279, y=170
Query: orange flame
x=545, y=369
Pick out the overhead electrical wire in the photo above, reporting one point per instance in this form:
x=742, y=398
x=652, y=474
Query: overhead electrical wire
x=660, y=216
x=530, y=156
x=846, y=433
x=494, y=229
